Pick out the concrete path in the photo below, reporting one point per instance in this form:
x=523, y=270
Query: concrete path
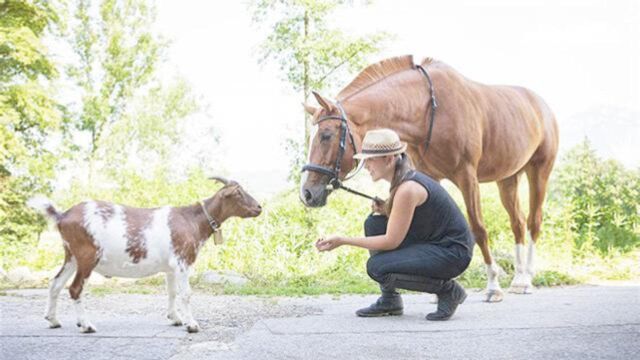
x=584, y=322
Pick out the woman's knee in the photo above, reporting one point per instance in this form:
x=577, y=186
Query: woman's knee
x=375, y=225
x=374, y=268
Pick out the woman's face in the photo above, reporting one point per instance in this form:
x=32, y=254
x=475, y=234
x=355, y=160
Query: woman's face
x=379, y=167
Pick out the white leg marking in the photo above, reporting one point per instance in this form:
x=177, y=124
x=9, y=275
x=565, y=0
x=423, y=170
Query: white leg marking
x=494, y=291
x=521, y=283
x=172, y=290
x=184, y=289
x=83, y=321
x=493, y=271
x=55, y=286
x=531, y=258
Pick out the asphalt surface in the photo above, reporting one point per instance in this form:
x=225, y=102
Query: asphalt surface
x=582, y=322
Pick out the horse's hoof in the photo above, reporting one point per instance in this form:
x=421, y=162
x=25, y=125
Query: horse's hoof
x=494, y=296
x=521, y=289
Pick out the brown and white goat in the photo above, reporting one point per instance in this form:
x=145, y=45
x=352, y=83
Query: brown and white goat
x=117, y=240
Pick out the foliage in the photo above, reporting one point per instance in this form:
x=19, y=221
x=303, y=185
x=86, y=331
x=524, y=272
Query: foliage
x=134, y=121
x=604, y=201
x=310, y=53
x=117, y=56
x=28, y=115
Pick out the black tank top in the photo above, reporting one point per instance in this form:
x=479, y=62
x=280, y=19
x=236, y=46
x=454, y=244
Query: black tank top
x=438, y=220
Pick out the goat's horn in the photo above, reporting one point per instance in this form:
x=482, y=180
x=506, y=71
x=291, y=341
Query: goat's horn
x=221, y=179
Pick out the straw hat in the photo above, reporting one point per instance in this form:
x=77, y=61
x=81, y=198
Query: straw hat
x=380, y=142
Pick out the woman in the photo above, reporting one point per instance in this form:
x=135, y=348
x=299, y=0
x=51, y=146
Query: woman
x=424, y=241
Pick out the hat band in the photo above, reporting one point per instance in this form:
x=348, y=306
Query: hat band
x=380, y=151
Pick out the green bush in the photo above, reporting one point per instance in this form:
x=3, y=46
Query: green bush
x=590, y=230
x=603, y=199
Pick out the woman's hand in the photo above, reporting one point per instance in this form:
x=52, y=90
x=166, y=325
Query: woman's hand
x=329, y=243
x=377, y=206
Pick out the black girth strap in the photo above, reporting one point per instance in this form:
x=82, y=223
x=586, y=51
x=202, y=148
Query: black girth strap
x=434, y=105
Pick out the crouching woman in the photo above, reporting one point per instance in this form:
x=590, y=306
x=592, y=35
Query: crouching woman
x=419, y=240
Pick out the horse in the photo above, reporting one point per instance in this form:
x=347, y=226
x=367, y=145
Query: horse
x=456, y=129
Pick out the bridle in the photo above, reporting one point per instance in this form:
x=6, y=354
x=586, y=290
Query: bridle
x=334, y=174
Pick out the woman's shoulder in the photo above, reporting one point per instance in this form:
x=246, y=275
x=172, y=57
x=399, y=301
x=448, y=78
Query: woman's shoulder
x=412, y=191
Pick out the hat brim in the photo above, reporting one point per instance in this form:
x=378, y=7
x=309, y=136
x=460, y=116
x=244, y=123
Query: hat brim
x=362, y=156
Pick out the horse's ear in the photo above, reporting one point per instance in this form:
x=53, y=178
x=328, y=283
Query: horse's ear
x=326, y=104
x=310, y=109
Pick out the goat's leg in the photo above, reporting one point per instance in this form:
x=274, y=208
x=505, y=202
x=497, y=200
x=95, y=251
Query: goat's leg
x=184, y=290
x=75, y=290
x=55, y=286
x=172, y=290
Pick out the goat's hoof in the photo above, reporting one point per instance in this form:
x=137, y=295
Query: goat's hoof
x=495, y=295
x=53, y=322
x=193, y=328
x=175, y=320
x=88, y=329
x=78, y=324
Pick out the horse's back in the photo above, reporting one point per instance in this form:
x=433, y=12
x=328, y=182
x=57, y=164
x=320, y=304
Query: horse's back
x=516, y=123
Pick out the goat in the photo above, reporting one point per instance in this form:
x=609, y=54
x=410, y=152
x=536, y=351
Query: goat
x=117, y=240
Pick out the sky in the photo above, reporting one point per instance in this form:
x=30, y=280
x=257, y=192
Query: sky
x=582, y=57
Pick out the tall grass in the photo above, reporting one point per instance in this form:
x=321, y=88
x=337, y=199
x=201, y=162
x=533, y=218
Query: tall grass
x=590, y=231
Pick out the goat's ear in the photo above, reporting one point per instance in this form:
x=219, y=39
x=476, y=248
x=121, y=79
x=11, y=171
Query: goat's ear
x=311, y=110
x=326, y=104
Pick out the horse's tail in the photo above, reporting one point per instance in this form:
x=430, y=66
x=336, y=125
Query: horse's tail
x=45, y=206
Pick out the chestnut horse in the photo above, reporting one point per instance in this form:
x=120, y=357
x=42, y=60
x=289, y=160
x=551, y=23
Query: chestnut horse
x=479, y=133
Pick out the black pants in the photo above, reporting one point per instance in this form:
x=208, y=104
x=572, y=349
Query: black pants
x=420, y=262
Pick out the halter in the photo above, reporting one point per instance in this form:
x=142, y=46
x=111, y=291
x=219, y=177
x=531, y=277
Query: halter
x=334, y=173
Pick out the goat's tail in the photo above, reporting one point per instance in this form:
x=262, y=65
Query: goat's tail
x=45, y=206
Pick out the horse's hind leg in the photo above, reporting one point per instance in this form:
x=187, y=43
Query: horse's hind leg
x=521, y=283
x=538, y=175
x=56, y=285
x=467, y=182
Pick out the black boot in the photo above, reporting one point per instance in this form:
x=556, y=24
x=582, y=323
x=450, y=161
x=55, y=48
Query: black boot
x=449, y=297
x=390, y=303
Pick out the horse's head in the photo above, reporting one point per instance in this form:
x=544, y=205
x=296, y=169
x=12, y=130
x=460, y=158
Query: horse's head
x=330, y=154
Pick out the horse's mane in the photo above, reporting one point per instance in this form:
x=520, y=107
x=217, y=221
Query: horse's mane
x=378, y=71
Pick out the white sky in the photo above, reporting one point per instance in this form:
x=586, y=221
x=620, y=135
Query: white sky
x=581, y=56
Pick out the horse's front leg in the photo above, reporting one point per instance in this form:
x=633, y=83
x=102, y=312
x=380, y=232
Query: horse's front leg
x=467, y=182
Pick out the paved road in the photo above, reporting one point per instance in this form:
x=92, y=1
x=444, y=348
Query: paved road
x=584, y=322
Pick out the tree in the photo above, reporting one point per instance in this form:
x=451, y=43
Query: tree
x=309, y=53
x=130, y=116
x=29, y=114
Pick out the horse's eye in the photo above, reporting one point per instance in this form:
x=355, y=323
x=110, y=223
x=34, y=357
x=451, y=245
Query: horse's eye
x=325, y=137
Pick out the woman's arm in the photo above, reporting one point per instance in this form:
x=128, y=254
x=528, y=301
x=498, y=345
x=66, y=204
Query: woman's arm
x=409, y=195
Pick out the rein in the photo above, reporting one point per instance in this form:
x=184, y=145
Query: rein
x=334, y=173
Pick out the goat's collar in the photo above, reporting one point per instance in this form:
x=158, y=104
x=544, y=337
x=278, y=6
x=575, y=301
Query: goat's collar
x=212, y=222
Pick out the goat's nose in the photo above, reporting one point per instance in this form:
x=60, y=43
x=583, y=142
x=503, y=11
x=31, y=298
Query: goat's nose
x=307, y=195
